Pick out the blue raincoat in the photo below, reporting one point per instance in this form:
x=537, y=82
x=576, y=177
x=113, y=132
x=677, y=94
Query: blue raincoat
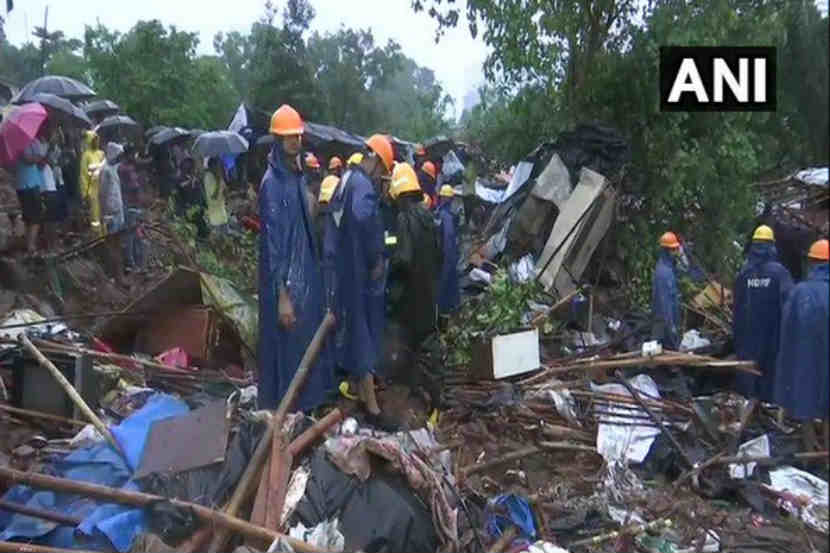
x=449, y=295
x=761, y=289
x=802, y=376
x=288, y=258
x=354, y=246
x=665, y=303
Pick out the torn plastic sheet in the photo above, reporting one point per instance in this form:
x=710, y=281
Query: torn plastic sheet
x=241, y=310
x=489, y=194
x=523, y=270
x=545, y=547
x=624, y=517
x=479, y=275
x=629, y=444
x=814, y=175
x=759, y=447
x=692, y=340
x=296, y=490
x=805, y=485
x=26, y=316
x=561, y=397
x=325, y=535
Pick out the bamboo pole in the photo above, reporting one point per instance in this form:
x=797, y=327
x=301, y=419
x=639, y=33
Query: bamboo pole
x=52, y=516
x=39, y=415
x=72, y=392
x=633, y=530
x=140, y=499
x=245, y=487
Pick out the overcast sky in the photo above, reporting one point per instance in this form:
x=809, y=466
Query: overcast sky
x=456, y=60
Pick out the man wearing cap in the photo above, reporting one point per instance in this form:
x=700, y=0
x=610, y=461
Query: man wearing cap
x=354, y=249
x=761, y=289
x=665, y=295
x=802, y=376
x=291, y=296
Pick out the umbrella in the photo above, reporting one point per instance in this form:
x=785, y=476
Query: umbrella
x=119, y=124
x=153, y=130
x=214, y=144
x=63, y=107
x=102, y=107
x=54, y=84
x=18, y=129
x=173, y=134
x=265, y=139
x=197, y=132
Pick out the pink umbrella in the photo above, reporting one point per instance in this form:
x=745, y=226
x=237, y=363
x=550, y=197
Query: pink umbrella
x=18, y=129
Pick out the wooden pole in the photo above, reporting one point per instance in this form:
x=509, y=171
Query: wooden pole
x=52, y=516
x=72, y=392
x=140, y=499
x=39, y=415
x=245, y=487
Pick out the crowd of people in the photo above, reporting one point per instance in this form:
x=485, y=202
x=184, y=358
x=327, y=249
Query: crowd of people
x=784, y=327
x=371, y=239
x=71, y=181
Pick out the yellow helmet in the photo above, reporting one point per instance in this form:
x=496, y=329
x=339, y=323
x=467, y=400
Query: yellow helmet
x=327, y=188
x=763, y=233
x=446, y=191
x=404, y=180
x=355, y=159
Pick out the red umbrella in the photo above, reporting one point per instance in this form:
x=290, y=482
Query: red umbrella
x=18, y=129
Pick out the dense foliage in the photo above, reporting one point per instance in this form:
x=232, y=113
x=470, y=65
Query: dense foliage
x=156, y=74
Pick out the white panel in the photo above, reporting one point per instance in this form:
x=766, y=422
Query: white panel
x=515, y=353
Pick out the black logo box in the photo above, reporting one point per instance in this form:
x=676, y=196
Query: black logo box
x=671, y=57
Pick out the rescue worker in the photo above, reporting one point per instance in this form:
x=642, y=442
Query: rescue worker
x=336, y=167
x=761, y=289
x=291, y=296
x=313, y=179
x=802, y=376
x=449, y=295
x=327, y=188
x=427, y=177
x=354, y=247
x=420, y=156
x=92, y=159
x=416, y=261
x=665, y=295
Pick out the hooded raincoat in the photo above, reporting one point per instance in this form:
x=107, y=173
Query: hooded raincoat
x=449, y=296
x=665, y=303
x=92, y=155
x=802, y=376
x=761, y=289
x=353, y=249
x=415, y=268
x=288, y=259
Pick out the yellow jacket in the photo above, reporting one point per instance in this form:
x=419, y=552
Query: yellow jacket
x=92, y=155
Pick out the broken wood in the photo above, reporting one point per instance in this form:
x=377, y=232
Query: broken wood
x=506, y=458
x=556, y=431
x=39, y=415
x=15, y=547
x=538, y=319
x=52, y=516
x=245, y=487
x=72, y=392
x=140, y=499
x=697, y=468
x=566, y=446
x=631, y=530
x=301, y=442
x=764, y=460
x=677, y=360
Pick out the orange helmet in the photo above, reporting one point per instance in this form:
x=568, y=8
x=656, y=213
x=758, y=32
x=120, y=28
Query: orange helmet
x=429, y=169
x=381, y=145
x=286, y=121
x=820, y=251
x=335, y=163
x=311, y=161
x=669, y=240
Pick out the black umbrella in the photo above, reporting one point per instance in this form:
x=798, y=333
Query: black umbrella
x=197, y=132
x=102, y=108
x=64, y=109
x=64, y=87
x=153, y=130
x=118, y=122
x=170, y=135
x=214, y=144
x=265, y=139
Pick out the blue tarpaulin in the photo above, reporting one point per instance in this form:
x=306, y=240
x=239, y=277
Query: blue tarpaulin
x=97, y=464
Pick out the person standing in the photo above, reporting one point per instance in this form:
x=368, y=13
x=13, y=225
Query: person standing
x=355, y=249
x=112, y=209
x=761, y=289
x=336, y=167
x=131, y=192
x=802, y=376
x=416, y=260
x=215, y=187
x=427, y=179
x=313, y=180
x=291, y=296
x=29, y=185
x=91, y=161
x=665, y=295
x=449, y=295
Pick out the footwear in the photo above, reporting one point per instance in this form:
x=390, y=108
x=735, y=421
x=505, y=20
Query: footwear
x=344, y=391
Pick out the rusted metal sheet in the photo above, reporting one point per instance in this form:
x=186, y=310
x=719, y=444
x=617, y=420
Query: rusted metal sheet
x=191, y=328
x=190, y=441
